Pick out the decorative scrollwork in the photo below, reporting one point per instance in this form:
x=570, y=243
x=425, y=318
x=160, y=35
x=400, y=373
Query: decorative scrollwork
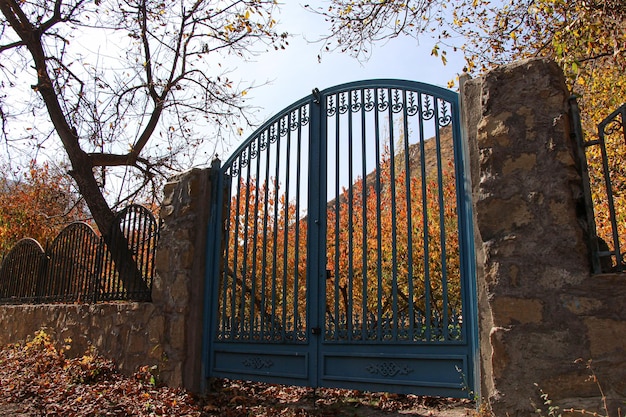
x=388, y=369
x=383, y=104
x=355, y=106
x=331, y=109
x=284, y=126
x=301, y=334
x=304, y=116
x=244, y=159
x=397, y=105
x=294, y=120
x=273, y=135
x=253, y=150
x=368, y=105
x=455, y=328
x=427, y=110
x=343, y=106
x=445, y=118
x=234, y=169
x=613, y=126
x=257, y=363
x=411, y=107
x=294, y=124
x=263, y=141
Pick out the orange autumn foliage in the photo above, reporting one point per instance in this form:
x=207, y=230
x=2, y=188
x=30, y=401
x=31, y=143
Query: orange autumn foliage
x=38, y=205
x=392, y=250
x=399, y=243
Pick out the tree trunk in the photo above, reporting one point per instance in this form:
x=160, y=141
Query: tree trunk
x=113, y=236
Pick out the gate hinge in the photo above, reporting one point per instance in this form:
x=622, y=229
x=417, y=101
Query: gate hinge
x=316, y=96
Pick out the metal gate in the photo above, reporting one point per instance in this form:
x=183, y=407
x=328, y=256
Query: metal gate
x=342, y=254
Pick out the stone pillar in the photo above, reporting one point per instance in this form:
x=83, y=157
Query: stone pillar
x=530, y=244
x=178, y=289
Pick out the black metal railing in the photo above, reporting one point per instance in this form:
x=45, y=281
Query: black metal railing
x=80, y=266
x=604, y=188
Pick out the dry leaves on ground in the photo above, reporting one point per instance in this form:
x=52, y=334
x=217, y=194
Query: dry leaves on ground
x=36, y=379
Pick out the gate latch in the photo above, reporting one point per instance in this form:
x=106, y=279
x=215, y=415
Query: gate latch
x=316, y=330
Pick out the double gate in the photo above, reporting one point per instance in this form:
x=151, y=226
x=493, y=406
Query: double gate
x=341, y=249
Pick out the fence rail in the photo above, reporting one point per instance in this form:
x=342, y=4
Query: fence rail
x=604, y=187
x=80, y=266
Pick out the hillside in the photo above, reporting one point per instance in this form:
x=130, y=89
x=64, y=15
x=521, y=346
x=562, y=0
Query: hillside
x=430, y=149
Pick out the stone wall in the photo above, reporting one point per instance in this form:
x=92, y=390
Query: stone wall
x=165, y=333
x=180, y=272
x=540, y=309
x=129, y=333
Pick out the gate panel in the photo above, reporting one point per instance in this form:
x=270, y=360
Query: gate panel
x=394, y=312
x=260, y=326
x=346, y=257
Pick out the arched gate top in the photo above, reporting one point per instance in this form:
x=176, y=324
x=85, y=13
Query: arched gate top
x=316, y=96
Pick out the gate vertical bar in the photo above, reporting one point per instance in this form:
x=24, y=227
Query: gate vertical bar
x=296, y=283
x=392, y=184
x=364, y=309
x=425, y=227
x=466, y=235
x=337, y=297
x=316, y=237
x=407, y=170
x=350, y=290
x=606, y=127
x=274, y=222
x=209, y=314
x=379, y=244
x=244, y=273
x=285, y=283
x=442, y=232
x=253, y=321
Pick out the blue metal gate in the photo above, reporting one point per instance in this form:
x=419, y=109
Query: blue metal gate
x=342, y=246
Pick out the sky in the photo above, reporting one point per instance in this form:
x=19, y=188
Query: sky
x=286, y=76
x=292, y=73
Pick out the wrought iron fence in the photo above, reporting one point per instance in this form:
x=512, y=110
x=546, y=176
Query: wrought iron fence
x=604, y=187
x=80, y=266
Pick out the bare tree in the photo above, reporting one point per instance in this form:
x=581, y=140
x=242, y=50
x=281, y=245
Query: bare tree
x=355, y=27
x=135, y=105
x=578, y=35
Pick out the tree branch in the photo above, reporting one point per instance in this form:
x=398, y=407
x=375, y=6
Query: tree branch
x=110, y=160
x=11, y=46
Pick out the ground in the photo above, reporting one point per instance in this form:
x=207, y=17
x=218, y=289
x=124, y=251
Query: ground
x=267, y=399
x=36, y=379
x=238, y=399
